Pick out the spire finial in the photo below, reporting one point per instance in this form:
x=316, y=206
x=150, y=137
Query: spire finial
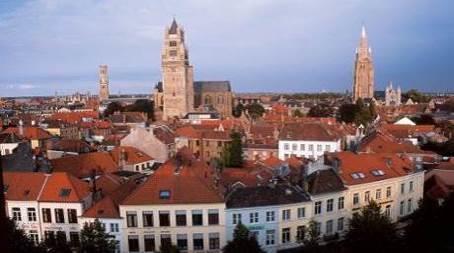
x=363, y=32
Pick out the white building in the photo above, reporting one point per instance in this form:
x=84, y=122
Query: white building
x=179, y=205
x=310, y=140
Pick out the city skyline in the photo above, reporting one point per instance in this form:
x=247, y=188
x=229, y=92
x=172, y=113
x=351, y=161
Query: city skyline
x=59, y=45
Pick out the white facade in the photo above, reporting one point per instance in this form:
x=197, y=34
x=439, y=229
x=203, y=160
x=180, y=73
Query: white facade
x=307, y=149
x=8, y=148
x=212, y=237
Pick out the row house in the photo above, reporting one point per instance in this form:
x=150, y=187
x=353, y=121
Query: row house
x=309, y=140
x=180, y=205
x=46, y=205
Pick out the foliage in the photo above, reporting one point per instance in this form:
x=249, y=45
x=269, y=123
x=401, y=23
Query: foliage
x=112, y=108
x=321, y=110
x=169, y=248
x=141, y=105
x=297, y=113
x=424, y=119
x=18, y=241
x=371, y=227
x=238, y=110
x=232, y=155
x=444, y=149
x=57, y=244
x=255, y=110
x=94, y=239
x=313, y=236
x=358, y=113
x=416, y=96
x=242, y=242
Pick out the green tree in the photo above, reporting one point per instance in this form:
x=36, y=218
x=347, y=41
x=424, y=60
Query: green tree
x=94, y=239
x=371, y=231
x=313, y=235
x=169, y=248
x=416, y=96
x=347, y=113
x=18, y=241
x=141, y=105
x=57, y=244
x=233, y=153
x=112, y=108
x=238, y=110
x=321, y=110
x=255, y=110
x=242, y=242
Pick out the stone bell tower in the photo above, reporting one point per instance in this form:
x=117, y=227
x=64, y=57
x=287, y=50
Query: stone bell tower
x=363, y=78
x=177, y=74
x=103, y=83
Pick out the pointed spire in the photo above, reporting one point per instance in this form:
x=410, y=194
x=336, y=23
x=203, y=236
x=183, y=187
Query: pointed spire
x=173, y=27
x=363, y=32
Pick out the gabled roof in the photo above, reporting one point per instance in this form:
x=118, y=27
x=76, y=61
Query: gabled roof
x=324, y=181
x=382, y=142
x=211, y=86
x=131, y=155
x=307, y=132
x=63, y=187
x=74, y=117
x=23, y=186
x=193, y=184
x=30, y=133
x=82, y=165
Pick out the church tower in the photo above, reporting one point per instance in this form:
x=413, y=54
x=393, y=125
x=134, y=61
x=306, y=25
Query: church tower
x=177, y=74
x=363, y=77
x=103, y=83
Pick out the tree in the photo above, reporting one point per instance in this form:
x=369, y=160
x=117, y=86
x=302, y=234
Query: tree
x=348, y=112
x=94, y=239
x=298, y=114
x=238, y=110
x=255, y=110
x=141, y=105
x=243, y=242
x=112, y=108
x=321, y=110
x=233, y=153
x=371, y=231
x=18, y=241
x=57, y=244
x=313, y=235
x=416, y=96
x=169, y=248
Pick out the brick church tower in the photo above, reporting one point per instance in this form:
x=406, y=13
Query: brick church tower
x=177, y=74
x=103, y=83
x=363, y=78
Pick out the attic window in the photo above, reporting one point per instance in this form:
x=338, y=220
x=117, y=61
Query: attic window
x=64, y=192
x=358, y=175
x=378, y=173
x=164, y=194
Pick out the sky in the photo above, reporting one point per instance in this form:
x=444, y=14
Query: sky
x=49, y=46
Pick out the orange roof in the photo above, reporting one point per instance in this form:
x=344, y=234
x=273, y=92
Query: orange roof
x=192, y=185
x=273, y=161
x=82, y=165
x=131, y=155
x=202, y=133
x=380, y=142
x=23, y=185
x=366, y=168
x=307, y=131
x=63, y=187
x=406, y=131
x=30, y=133
x=74, y=117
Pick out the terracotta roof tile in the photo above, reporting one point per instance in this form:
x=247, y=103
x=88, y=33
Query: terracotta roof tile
x=82, y=165
x=23, y=185
x=63, y=187
x=131, y=155
x=30, y=133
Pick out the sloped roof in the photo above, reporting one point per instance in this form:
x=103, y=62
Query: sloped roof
x=30, y=133
x=324, y=181
x=307, y=131
x=63, y=187
x=82, y=165
x=211, y=86
x=23, y=185
x=382, y=142
x=132, y=155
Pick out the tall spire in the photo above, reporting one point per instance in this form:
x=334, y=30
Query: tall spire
x=363, y=32
x=173, y=27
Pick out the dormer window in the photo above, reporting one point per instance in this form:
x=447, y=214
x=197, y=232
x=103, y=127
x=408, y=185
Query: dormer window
x=164, y=194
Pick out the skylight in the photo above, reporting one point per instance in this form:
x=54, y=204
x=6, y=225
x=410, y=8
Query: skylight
x=378, y=172
x=164, y=194
x=64, y=192
x=355, y=175
x=358, y=175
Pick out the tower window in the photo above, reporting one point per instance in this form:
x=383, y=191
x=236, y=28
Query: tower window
x=173, y=43
x=173, y=52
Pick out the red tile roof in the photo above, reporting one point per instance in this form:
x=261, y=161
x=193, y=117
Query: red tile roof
x=192, y=185
x=381, y=142
x=30, y=133
x=307, y=131
x=74, y=117
x=58, y=183
x=131, y=155
x=23, y=186
x=407, y=131
x=82, y=165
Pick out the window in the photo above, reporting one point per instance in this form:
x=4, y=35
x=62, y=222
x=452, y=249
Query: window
x=401, y=209
x=327, y=148
x=198, y=241
x=164, y=194
x=47, y=217
x=164, y=219
x=182, y=241
x=197, y=218
x=270, y=237
x=319, y=147
x=300, y=232
x=388, y=192
x=31, y=214
x=329, y=205
x=410, y=187
x=329, y=227
x=16, y=214
x=409, y=205
x=318, y=207
x=340, y=224
x=180, y=216
x=172, y=43
x=302, y=147
x=301, y=212
x=33, y=234
x=59, y=216
x=378, y=194
x=356, y=199
x=49, y=237
x=147, y=217
x=131, y=219
x=74, y=239
x=166, y=241
x=286, y=146
x=402, y=188
x=213, y=217
x=270, y=216
x=253, y=217
x=285, y=235
x=294, y=147
x=340, y=203
x=214, y=242
x=311, y=147
x=286, y=214
x=318, y=228
x=133, y=243
x=72, y=215
x=114, y=228
x=367, y=196
x=388, y=210
x=149, y=243
x=236, y=218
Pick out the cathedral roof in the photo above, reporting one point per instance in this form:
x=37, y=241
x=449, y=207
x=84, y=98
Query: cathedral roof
x=173, y=27
x=212, y=86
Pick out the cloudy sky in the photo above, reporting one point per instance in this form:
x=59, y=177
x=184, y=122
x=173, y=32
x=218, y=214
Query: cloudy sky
x=49, y=46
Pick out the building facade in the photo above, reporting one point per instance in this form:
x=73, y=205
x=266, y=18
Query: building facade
x=392, y=96
x=363, y=78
